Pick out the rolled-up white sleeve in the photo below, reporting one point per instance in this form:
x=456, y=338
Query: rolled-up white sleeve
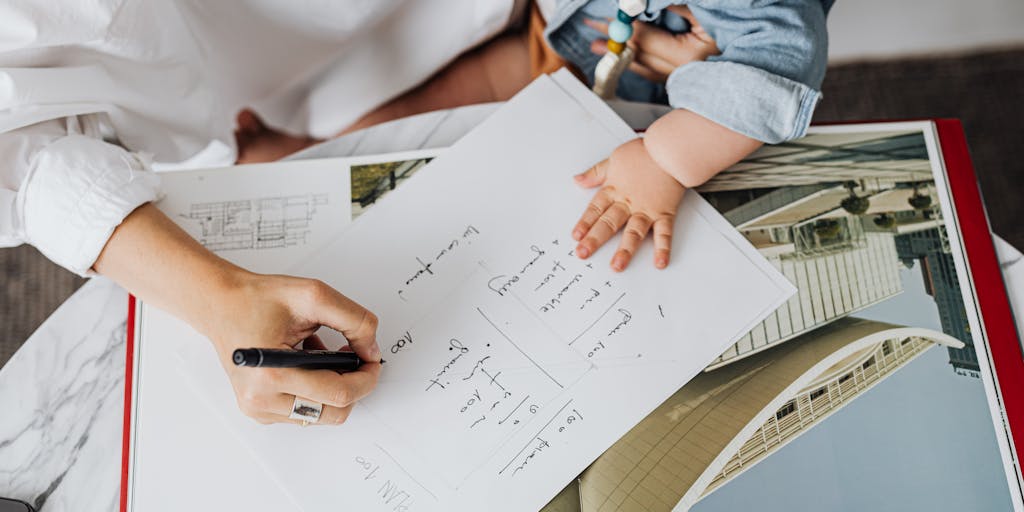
x=65, y=192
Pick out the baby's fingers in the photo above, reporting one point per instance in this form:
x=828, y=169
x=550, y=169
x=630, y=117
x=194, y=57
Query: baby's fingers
x=634, y=234
x=594, y=176
x=611, y=221
x=595, y=209
x=662, y=241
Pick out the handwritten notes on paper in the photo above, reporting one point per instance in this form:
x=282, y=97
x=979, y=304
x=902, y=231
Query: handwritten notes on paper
x=512, y=363
x=481, y=373
x=425, y=268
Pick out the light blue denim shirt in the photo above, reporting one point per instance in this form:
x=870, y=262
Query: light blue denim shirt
x=765, y=83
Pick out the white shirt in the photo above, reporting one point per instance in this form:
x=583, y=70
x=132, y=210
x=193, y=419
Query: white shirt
x=164, y=80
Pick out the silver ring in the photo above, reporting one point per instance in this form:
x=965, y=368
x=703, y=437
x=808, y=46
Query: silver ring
x=306, y=411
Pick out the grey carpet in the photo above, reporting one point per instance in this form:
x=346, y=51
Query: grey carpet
x=32, y=288
x=981, y=89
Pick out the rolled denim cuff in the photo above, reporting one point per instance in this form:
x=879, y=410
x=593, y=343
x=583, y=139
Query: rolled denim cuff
x=745, y=99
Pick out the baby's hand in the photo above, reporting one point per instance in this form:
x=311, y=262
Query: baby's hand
x=635, y=193
x=657, y=52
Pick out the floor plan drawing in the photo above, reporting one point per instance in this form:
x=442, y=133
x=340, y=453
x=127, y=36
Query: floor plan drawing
x=262, y=223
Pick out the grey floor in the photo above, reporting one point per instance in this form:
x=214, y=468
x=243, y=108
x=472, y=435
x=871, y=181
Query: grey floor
x=981, y=89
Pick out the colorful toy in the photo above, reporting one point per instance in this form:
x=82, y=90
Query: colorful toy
x=614, y=63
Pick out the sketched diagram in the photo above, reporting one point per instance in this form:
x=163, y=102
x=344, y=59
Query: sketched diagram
x=255, y=223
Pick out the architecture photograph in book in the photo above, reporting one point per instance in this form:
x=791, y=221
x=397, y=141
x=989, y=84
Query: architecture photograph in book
x=901, y=421
x=372, y=181
x=863, y=392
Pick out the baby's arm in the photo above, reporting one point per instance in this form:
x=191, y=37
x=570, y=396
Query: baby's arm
x=761, y=88
x=644, y=180
x=693, y=148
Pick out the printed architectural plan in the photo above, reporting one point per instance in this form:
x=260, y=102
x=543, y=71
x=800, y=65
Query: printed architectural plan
x=264, y=223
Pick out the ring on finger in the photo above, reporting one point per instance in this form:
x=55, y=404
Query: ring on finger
x=306, y=411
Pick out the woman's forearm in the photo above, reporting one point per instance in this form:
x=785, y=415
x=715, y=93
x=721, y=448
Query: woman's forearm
x=693, y=148
x=153, y=258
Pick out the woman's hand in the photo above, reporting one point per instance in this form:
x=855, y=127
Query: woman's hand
x=158, y=262
x=635, y=193
x=658, y=52
x=279, y=312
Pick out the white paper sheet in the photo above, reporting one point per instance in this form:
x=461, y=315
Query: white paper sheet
x=511, y=364
x=269, y=217
x=174, y=425
x=237, y=212
x=174, y=428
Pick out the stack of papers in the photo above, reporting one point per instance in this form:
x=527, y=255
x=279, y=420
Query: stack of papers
x=511, y=363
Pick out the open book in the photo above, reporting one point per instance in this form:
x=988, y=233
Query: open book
x=411, y=446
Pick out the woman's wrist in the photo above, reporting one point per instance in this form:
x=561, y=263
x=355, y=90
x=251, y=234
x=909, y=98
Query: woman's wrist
x=154, y=259
x=219, y=286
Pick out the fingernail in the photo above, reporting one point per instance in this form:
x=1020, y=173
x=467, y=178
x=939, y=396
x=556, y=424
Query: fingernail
x=578, y=177
x=661, y=262
x=583, y=252
x=618, y=264
x=576, y=235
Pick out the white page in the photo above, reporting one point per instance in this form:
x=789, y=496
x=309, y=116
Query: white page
x=269, y=217
x=174, y=428
x=558, y=367
x=223, y=208
x=167, y=410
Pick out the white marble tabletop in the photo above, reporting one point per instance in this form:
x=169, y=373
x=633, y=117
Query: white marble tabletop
x=61, y=394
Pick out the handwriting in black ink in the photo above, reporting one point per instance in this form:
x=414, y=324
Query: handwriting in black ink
x=406, y=339
x=426, y=268
x=501, y=284
x=555, y=268
x=590, y=298
x=626, y=317
x=553, y=302
x=453, y=344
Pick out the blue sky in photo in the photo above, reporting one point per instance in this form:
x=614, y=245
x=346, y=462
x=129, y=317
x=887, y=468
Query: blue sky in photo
x=922, y=439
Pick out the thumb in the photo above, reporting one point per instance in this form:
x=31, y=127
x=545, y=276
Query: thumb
x=356, y=323
x=594, y=176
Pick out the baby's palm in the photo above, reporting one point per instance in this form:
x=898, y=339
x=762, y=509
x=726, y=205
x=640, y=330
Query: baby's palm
x=636, y=194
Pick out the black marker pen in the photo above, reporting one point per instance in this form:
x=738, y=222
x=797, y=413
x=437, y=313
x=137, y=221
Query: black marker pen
x=308, y=359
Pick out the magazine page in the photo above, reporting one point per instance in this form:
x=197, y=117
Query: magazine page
x=869, y=389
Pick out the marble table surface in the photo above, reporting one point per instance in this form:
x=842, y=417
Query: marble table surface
x=61, y=394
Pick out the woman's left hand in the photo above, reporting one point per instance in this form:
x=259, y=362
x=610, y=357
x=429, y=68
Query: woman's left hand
x=658, y=52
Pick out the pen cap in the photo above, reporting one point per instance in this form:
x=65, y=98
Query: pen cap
x=246, y=357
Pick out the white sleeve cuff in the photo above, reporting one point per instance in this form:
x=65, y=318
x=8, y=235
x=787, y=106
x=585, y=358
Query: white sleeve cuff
x=78, y=191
